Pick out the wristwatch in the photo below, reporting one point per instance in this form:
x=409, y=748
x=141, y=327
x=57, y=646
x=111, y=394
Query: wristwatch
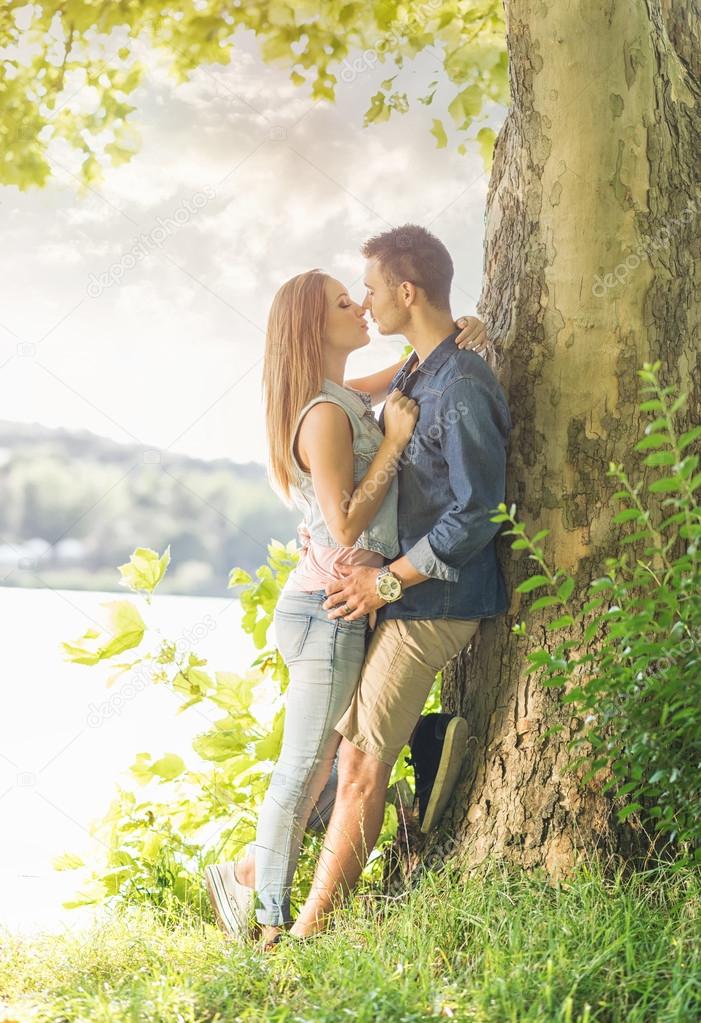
x=388, y=585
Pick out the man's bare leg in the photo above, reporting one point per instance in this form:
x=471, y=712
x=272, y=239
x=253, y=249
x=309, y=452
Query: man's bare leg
x=350, y=837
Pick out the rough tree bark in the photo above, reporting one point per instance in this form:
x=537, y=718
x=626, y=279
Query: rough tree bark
x=598, y=160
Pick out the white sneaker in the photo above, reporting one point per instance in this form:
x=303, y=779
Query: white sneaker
x=231, y=901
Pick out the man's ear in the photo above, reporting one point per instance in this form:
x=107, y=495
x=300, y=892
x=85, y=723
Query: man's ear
x=408, y=292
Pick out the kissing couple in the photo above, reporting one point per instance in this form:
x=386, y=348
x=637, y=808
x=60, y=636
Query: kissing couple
x=397, y=570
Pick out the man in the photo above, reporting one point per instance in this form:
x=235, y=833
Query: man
x=430, y=599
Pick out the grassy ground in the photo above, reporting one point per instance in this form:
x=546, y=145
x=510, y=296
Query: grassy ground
x=497, y=946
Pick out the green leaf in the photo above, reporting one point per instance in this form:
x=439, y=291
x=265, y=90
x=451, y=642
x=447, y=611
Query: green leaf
x=141, y=768
x=125, y=627
x=658, y=458
x=145, y=569
x=118, y=154
x=378, y=111
x=68, y=861
x=438, y=132
x=604, y=583
x=485, y=140
x=542, y=602
x=627, y=515
x=635, y=537
x=689, y=437
x=555, y=680
x=465, y=106
x=666, y=485
x=654, y=440
x=532, y=583
x=168, y=767
x=656, y=425
x=221, y=745
x=628, y=810
x=560, y=623
x=565, y=590
x=269, y=747
x=238, y=577
x=235, y=693
x=591, y=630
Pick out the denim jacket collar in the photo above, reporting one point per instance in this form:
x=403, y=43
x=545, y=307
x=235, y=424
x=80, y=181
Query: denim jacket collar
x=348, y=393
x=435, y=359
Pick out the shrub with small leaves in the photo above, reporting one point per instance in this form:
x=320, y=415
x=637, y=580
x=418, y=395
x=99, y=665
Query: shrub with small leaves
x=634, y=671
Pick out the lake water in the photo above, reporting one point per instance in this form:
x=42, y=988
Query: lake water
x=66, y=740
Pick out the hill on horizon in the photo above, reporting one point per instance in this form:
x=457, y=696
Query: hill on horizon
x=77, y=504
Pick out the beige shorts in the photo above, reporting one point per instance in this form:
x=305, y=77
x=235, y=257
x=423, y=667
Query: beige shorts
x=401, y=662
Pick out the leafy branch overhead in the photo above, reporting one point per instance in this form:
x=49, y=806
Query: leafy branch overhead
x=71, y=71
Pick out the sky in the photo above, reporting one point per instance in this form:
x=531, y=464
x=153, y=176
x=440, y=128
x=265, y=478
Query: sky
x=137, y=310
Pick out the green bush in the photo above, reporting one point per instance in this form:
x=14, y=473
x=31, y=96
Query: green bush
x=630, y=656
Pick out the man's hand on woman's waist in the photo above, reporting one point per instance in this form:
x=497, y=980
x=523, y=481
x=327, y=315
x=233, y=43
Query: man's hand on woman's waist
x=357, y=589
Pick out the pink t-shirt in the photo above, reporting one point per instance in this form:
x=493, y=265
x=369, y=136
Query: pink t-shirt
x=319, y=565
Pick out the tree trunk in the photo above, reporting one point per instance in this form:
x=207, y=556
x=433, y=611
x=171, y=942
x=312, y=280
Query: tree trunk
x=592, y=266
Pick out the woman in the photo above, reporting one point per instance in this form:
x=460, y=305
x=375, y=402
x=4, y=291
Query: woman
x=330, y=458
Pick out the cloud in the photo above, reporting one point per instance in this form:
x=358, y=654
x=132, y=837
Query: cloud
x=171, y=345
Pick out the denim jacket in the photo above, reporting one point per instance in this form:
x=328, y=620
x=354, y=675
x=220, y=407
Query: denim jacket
x=381, y=534
x=451, y=476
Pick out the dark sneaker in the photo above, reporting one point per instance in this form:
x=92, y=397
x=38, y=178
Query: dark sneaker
x=437, y=752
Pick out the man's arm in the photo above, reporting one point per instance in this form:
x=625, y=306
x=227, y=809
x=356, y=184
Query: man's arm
x=474, y=448
x=376, y=384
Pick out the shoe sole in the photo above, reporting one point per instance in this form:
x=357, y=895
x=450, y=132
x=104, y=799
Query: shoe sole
x=227, y=920
x=452, y=756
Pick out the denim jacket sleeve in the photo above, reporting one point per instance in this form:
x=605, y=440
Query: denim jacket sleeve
x=474, y=448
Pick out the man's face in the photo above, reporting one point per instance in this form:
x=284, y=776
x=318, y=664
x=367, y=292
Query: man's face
x=384, y=301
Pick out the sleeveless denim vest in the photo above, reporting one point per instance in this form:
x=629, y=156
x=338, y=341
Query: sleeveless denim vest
x=381, y=534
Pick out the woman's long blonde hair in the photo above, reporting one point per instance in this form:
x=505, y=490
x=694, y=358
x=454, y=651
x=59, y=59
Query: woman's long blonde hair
x=293, y=366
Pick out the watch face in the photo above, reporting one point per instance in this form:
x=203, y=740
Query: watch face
x=389, y=587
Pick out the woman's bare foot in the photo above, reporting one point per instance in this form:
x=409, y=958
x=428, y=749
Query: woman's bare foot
x=246, y=871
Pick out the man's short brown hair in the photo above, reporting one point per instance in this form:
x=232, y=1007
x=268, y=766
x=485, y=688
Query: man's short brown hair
x=411, y=253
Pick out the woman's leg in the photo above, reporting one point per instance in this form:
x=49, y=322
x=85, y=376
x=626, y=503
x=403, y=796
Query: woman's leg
x=324, y=658
x=318, y=823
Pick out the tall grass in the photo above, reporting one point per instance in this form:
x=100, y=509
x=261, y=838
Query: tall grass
x=496, y=945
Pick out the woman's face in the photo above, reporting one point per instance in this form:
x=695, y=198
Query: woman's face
x=346, y=328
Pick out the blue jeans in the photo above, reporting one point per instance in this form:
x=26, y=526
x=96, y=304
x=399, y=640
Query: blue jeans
x=324, y=659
